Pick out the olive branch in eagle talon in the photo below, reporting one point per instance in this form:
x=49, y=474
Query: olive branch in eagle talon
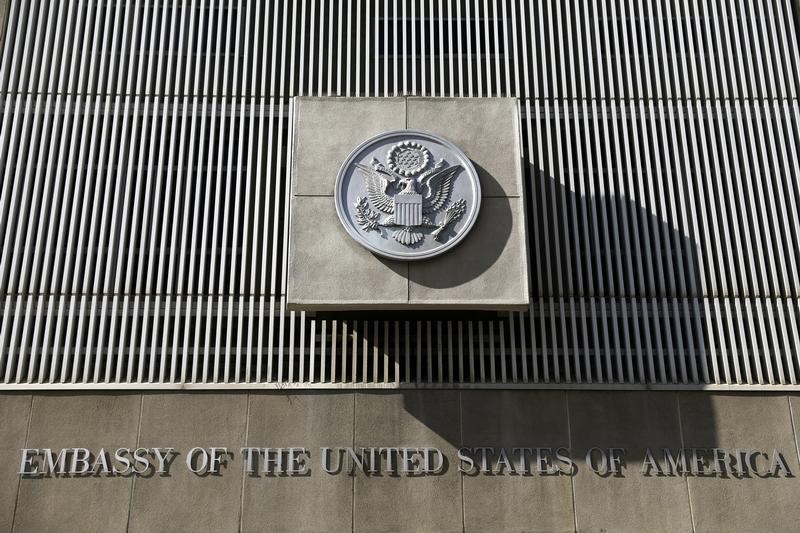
x=366, y=217
x=451, y=214
x=410, y=202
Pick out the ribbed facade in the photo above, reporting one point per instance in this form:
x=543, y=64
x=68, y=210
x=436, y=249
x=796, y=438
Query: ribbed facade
x=144, y=155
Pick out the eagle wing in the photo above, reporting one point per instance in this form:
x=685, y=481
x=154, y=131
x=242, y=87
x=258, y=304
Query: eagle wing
x=376, y=189
x=437, y=187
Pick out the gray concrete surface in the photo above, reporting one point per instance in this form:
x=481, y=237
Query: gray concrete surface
x=80, y=504
x=328, y=269
x=486, y=129
x=512, y=419
x=14, y=414
x=326, y=130
x=635, y=421
x=487, y=269
x=281, y=503
x=188, y=502
x=421, y=503
x=447, y=420
x=753, y=504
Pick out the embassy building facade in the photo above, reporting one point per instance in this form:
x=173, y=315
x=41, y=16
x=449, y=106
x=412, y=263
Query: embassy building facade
x=425, y=265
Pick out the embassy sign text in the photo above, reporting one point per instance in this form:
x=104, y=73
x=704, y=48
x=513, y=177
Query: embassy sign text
x=410, y=461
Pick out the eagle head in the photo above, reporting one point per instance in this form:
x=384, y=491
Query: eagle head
x=409, y=186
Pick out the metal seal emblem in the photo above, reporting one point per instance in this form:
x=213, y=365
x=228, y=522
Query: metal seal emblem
x=407, y=195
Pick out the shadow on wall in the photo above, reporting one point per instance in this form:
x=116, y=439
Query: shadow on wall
x=615, y=299
x=4, y=7
x=596, y=244
x=612, y=288
x=796, y=13
x=491, y=232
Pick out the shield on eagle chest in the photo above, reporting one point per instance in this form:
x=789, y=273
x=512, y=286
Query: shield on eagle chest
x=408, y=209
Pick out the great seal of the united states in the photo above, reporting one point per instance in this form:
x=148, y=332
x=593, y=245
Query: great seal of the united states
x=407, y=195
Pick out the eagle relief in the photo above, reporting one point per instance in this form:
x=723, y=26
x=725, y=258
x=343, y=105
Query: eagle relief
x=415, y=202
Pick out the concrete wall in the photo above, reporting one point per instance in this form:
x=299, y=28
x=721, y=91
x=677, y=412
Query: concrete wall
x=451, y=501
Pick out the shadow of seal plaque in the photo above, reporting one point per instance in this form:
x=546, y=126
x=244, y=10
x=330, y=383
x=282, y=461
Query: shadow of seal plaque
x=407, y=195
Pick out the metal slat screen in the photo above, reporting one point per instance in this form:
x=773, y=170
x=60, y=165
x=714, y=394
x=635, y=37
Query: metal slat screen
x=144, y=161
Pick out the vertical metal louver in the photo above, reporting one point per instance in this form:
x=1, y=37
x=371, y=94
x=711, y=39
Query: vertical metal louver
x=144, y=160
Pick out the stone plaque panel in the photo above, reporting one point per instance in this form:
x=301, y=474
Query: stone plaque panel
x=333, y=263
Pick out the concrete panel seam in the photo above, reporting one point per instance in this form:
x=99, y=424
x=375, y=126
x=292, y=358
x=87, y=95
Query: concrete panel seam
x=353, y=477
x=571, y=478
x=408, y=266
x=460, y=444
x=683, y=446
x=133, y=478
x=794, y=429
x=19, y=480
x=244, y=472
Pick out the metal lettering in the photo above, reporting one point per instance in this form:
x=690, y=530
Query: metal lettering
x=199, y=452
x=249, y=462
x=390, y=465
x=219, y=459
x=544, y=462
x=504, y=463
x=411, y=461
x=372, y=461
x=426, y=460
x=356, y=461
x=272, y=463
x=698, y=462
x=718, y=466
x=162, y=459
x=408, y=463
x=524, y=464
x=484, y=451
x=27, y=461
x=616, y=460
x=51, y=462
x=675, y=465
x=325, y=458
x=140, y=458
x=649, y=463
x=751, y=456
x=465, y=459
x=596, y=468
x=102, y=460
x=120, y=458
x=778, y=463
x=297, y=461
x=83, y=459
x=562, y=455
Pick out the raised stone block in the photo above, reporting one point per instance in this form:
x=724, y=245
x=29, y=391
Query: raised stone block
x=328, y=269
